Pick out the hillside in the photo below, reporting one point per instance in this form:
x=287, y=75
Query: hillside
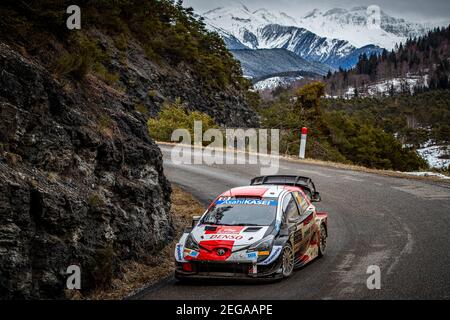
x=420, y=121
x=138, y=49
x=334, y=135
x=81, y=182
x=419, y=64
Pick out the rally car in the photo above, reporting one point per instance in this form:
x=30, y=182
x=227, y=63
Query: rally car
x=264, y=230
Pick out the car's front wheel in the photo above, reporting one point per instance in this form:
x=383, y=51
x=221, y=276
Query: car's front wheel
x=287, y=265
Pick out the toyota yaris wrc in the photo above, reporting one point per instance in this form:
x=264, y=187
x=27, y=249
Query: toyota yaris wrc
x=264, y=230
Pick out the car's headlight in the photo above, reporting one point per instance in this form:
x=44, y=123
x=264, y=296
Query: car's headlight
x=265, y=245
x=190, y=243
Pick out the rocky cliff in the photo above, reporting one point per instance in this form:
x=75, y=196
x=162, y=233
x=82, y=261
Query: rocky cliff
x=81, y=181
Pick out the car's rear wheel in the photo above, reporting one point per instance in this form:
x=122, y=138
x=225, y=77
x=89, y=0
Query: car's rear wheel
x=287, y=265
x=322, y=240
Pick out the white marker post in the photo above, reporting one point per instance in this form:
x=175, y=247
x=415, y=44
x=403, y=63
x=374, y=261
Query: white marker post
x=303, y=143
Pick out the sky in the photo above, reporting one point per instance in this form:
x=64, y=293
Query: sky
x=413, y=10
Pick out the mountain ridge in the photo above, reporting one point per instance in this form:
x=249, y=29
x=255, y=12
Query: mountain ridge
x=336, y=23
x=261, y=29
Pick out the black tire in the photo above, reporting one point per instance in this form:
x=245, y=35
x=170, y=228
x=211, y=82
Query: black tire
x=323, y=235
x=287, y=260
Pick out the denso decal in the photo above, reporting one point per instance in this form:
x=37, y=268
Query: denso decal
x=225, y=237
x=247, y=202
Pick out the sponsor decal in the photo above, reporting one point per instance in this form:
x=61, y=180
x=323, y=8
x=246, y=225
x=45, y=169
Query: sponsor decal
x=263, y=253
x=254, y=269
x=179, y=252
x=276, y=250
x=304, y=258
x=307, y=232
x=229, y=230
x=225, y=237
x=307, y=220
x=191, y=253
x=277, y=225
x=256, y=202
x=223, y=229
x=252, y=255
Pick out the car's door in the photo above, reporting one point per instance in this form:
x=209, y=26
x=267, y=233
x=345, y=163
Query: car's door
x=307, y=219
x=292, y=217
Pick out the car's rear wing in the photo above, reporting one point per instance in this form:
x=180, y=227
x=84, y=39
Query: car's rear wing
x=305, y=183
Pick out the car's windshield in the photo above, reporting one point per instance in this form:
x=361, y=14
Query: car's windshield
x=242, y=212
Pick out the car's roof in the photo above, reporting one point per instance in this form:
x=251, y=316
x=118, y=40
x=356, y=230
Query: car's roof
x=265, y=191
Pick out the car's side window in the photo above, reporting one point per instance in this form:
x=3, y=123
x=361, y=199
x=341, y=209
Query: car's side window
x=302, y=203
x=290, y=208
x=286, y=202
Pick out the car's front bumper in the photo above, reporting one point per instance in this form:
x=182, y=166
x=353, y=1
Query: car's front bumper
x=227, y=270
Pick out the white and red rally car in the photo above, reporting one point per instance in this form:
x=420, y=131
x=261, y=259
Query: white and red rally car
x=264, y=230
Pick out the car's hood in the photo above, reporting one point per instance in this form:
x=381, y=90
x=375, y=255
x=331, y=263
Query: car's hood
x=234, y=237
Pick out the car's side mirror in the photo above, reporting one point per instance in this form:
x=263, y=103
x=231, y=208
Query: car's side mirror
x=195, y=220
x=316, y=197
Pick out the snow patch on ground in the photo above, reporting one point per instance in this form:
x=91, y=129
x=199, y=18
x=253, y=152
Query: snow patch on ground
x=427, y=174
x=436, y=156
x=384, y=87
x=275, y=82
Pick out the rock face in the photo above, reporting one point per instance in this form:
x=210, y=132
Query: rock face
x=81, y=183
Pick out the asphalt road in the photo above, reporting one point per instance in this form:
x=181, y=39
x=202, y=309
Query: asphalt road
x=400, y=225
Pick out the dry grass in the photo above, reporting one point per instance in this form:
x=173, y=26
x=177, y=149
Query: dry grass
x=137, y=275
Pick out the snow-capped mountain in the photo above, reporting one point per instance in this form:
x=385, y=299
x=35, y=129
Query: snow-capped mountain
x=354, y=26
x=333, y=52
x=261, y=29
x=337, y=23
